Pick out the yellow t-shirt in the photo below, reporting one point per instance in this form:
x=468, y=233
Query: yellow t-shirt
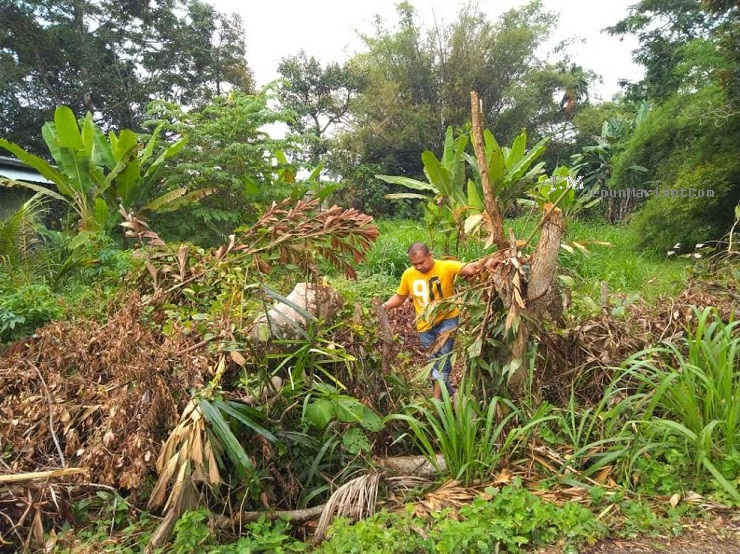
x=426, y=288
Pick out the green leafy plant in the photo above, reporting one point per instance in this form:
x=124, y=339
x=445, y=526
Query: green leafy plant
x=25, y=308
x=446, y=180
x=325, y=404
x=95, y=174
x=595, y=434
x=19, y=232
x=689, y=393
x=472, y=438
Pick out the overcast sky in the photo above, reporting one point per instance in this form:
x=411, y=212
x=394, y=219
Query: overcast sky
x=327, y=29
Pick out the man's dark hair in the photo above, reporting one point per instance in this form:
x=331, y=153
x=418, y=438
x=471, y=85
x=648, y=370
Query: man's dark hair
x=418, y=247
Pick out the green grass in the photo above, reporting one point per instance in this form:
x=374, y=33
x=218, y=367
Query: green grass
x=690, y=392
x=621, y=265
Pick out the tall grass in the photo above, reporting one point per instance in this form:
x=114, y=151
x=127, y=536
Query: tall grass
x=691, y=394
x=621, y=265
x=595, y=433
x=472, y=437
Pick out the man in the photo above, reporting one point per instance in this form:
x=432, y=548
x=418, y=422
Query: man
x=428, y=281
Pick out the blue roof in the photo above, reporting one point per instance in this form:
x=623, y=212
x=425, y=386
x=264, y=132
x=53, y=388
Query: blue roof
x=10, y=168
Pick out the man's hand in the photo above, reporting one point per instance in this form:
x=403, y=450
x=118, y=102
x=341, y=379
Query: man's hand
x=471, y=268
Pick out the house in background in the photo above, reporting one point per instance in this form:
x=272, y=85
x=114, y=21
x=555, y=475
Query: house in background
x=12, y=198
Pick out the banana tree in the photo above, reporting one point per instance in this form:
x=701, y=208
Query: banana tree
x=449, y=194
x=95, y=174
x=512, y=172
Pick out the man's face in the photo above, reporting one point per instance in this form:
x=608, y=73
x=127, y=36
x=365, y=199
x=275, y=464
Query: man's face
x=422, y=262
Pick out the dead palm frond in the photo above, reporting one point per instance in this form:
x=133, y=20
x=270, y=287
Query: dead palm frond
x=448, y=495
x=188, y=457
x=354, y=500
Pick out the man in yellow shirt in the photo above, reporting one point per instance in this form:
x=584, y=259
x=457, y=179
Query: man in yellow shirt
x=428, y=281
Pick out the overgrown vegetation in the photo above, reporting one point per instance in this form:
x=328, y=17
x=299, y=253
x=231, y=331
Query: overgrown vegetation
x=220, y=379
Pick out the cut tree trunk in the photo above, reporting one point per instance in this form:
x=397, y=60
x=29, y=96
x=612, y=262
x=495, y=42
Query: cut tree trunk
x=540, y=289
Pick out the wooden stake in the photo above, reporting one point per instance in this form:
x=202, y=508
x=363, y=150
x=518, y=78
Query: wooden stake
x=494, y=214
x=34, y=475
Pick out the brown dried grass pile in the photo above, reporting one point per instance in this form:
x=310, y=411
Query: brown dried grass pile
x=98, y=396
x=584, y=357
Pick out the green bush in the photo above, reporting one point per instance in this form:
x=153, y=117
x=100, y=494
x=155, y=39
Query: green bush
x=24, y=309
x=507, y=521
x=664, y=221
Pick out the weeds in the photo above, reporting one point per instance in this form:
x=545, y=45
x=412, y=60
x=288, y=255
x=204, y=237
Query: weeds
x=690, y=396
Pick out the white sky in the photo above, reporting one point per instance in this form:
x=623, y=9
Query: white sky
x=327, y=29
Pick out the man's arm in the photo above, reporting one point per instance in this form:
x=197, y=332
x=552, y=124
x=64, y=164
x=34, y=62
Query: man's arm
x=470, y=268
x=394, y=301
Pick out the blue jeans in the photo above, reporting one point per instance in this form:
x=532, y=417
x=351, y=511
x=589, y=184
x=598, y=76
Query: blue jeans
x=442, y=367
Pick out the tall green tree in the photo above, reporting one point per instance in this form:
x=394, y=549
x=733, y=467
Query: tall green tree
x=111, y=59
x=664, y=28
x=418, y=83
x=319, y=95
x=230, y=150
x=689, y=141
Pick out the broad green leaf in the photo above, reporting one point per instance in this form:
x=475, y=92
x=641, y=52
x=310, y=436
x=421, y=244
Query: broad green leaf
x=168, y=153
x=355, y=441
x=115, y=172
x=40, y=165
x=49, y=132
x=457, y=165
x=437, y=175
x=474, y=349
x=101, y=213
x=121, y=145
x=408, y=183
x=371, y=421
x=129, y=185
x=68, y=132
x=517, y=150
x=474, y=197
x=149, y=149
x=349, y=410
x=76, y=165
x=219, y=427
x=320, y=412
x=496, y=162
x=102, y=154
x=448, y=151
x=316, y=173
x=88, y=135
x=521, y=167
x=248, y=417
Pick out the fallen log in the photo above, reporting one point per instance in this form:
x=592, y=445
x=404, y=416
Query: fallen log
x=418, y=466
